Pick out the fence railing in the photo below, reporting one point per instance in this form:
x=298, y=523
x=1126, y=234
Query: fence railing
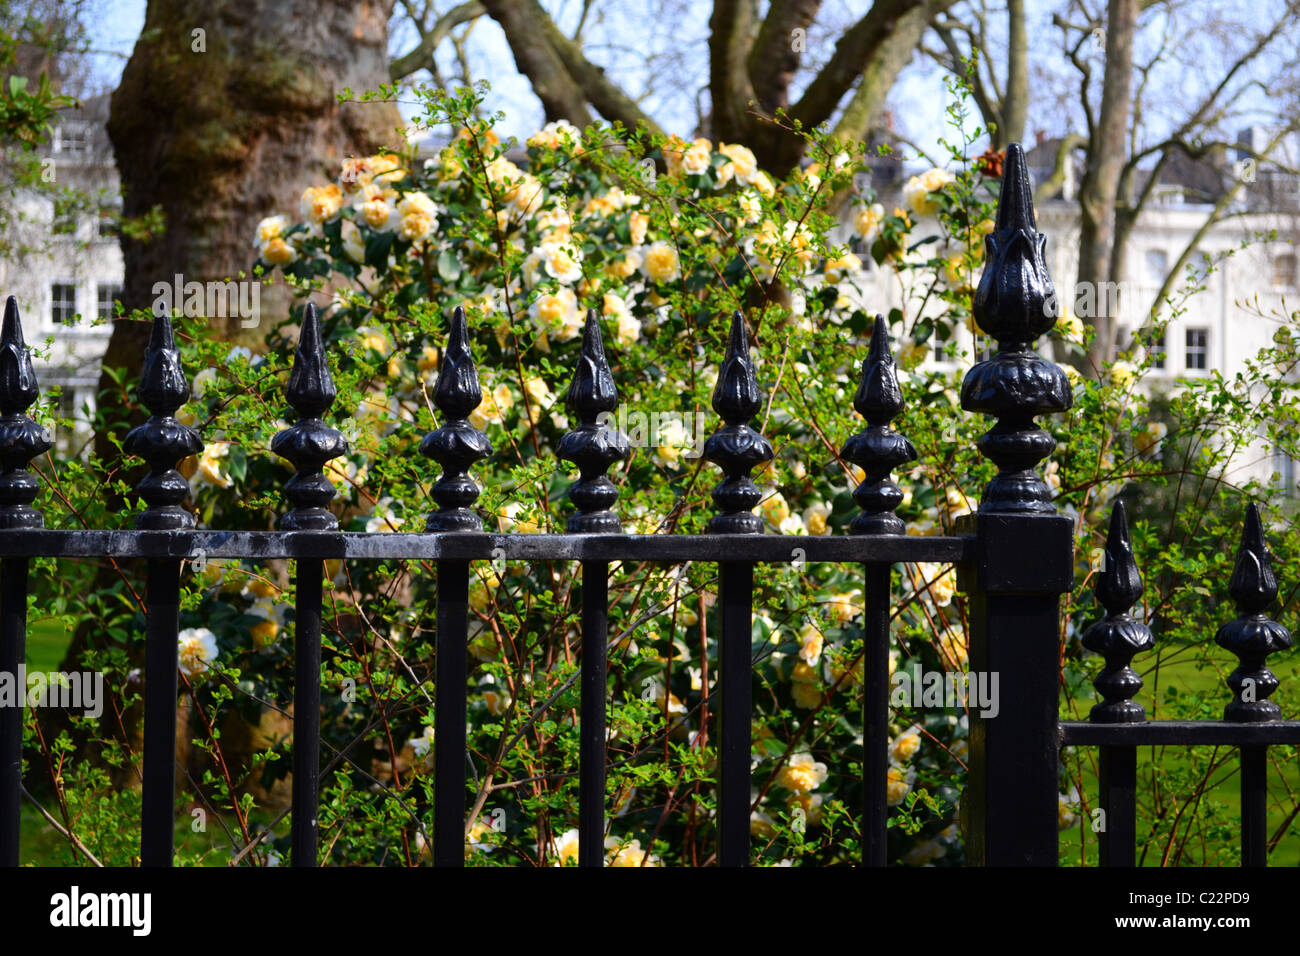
x=1014, y=558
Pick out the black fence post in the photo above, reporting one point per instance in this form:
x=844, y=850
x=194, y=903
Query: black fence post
x=1024, y=558
x=21, y=440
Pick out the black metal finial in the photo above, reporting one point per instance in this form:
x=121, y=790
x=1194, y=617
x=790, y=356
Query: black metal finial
x=162, y=441
x=878, y=449
x=735, y=447
x=21, y=439
x=1118, y=636
x=309, y=443
x=1252, y=636
x=457, y=444
x=593, y=446
x=1015, y=303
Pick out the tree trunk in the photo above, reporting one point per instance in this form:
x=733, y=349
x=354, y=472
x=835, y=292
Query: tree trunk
x=219, y=129
x=1099, y=186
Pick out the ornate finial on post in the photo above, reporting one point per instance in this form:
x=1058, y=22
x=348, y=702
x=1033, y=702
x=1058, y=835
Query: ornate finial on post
x=593, y=446
x=1252, y=636
x=1015, y=303
x=21, y=439
x=309, y=443
x=878, y=449
x=735, y=447
x=162, y=441
x=1118, y=636
x=457, y=444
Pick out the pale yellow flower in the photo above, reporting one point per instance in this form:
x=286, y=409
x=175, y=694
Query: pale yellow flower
x=320, y=203
x=661, y=263
x=802, y=774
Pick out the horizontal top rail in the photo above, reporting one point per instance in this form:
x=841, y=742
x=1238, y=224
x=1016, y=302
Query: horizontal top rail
x=1188, y=733
x=768, y=548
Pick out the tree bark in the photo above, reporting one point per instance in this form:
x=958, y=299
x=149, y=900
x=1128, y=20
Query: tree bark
x=1098, y=189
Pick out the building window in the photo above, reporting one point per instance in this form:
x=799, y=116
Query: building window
x=1156, y=349
x=74, y=140
x=106, y=223
x=106, y=295
x=1157, y=265
x=1198, y=349
x=1284, y=271
x=1285, y=466
x=63, y=303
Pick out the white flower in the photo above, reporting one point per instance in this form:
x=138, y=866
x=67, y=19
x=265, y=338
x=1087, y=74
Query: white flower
x=196, y=649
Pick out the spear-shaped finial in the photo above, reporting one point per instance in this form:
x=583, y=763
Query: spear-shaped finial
x=1252, y=636
x=21, y=439
x=593, y=446
x=457, y=444
x=1015, y=303
x=736, y=447
x=1118, y=636
x=309, y=443
x=162, y=441
x=878, y=449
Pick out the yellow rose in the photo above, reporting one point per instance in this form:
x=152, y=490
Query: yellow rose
x=278, y=252
x=637, y=225
x=662, y=263
x=802, y=774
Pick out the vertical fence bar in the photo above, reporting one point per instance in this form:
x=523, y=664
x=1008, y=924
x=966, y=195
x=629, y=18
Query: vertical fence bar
x=735, y=687
x=737, y=449
x=1252, y=636
x=455, y=445
x=161, y=441
x=1117, y=778
x=1254, y=806
x=158, y=796
x=13, y=645
x=21, y=441
x=593, y=446
x=875, y=715
x=591, y=769
x=308, y=443
x=1118, y=637
x=1024, y=550
x=306, y=711
x=877, y=450
x=450, y=721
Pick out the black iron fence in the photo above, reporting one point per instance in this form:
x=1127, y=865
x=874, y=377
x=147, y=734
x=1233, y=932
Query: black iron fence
x=1014, y=557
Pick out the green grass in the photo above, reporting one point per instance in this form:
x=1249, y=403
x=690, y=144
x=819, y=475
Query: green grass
x=47, y=642
x=1179, y=673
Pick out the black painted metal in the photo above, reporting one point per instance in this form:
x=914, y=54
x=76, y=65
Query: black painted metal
x=13, y=648
x=449, y=719
x=875, y=715
x=593, y=446
x=21, y=440
x=736, y=448
x=162, y=441
x=1252, y=636
x=591, y=754
x=735, y=694
x=1024, y=556
x=1118, y=636
x=457, y=444
x=1014, y=558
x=158, y=788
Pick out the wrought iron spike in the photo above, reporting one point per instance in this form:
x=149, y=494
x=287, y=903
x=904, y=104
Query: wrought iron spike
x=593, y=446
x=162, y=441
x=457, y=444
x=736, y=447
x=878, y=449
x=1252, y=636
x=1118, y=636
x=1015, y=303
x=21, y=439
x=309, y=443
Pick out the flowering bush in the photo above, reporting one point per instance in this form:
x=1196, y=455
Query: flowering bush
x=664, y=239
